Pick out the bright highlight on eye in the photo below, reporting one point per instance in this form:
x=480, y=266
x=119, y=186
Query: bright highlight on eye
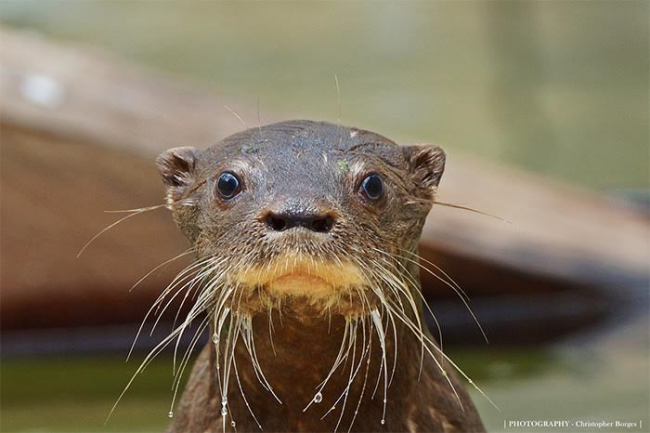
x=373, y=187
x=228, y=185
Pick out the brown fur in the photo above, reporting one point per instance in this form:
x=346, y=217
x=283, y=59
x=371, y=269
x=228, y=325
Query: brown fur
x=303, y=167
x=305, y=352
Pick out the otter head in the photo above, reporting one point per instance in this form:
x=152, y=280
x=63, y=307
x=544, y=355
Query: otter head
x=304, y=215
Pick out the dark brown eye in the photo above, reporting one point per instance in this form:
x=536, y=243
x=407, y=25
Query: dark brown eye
x=372, y=187
x=228, y=185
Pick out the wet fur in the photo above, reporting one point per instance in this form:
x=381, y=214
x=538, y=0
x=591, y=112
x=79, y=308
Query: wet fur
x=364, y=335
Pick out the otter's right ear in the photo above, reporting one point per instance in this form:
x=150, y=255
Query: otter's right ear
x=176, y=166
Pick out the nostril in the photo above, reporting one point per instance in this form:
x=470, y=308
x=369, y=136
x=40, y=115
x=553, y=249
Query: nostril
x=276, y=223
x=322, y=225
x=280, y=222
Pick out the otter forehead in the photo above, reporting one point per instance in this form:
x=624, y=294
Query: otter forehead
x=301, y=147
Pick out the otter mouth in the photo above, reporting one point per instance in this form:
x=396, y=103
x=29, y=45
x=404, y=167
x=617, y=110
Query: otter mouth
x=300, y=278
x=296, y=276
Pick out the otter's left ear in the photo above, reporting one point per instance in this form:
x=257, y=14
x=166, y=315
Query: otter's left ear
x=426, y=164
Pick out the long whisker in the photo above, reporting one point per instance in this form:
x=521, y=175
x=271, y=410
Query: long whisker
x=469, y=309
x=110, y=226
x=459, y=370
x=234, y=113
x=169, y=288
x=241, y=391
x=416, y=288
x=166, y=262
x=382, y=340
x=428, y=344
x=420, y=335
x=179, y=374
x=464, y=301
x=439, y=269
x=338, y=98
x=339, y=359
x=203, y=304
x=480, y=212
x=259, y=120
x=398, y=287
x=145, y=208
x=365, y=376
x=154, y=352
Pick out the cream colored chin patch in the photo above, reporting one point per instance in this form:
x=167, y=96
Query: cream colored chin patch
x=298, y=276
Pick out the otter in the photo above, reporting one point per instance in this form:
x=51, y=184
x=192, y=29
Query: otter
x=305, y=235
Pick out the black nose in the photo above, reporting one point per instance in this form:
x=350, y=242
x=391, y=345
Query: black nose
x=321, y=222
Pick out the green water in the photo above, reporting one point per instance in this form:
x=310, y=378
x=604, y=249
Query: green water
x=607, y=381
x=76, y=394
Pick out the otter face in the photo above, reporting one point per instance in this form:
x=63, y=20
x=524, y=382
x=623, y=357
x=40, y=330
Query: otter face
x=302, y=211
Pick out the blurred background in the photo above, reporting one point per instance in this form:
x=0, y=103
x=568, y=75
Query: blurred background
x=542, y=107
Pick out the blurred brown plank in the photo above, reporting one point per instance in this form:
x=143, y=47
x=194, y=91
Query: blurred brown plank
x=556, y=231
x=54, y=192
x=80, y=131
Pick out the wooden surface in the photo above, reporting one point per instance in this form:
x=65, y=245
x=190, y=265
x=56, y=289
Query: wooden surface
x=80, y=131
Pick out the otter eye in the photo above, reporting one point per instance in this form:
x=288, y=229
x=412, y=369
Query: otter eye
x=228, y=185
x=373, y=187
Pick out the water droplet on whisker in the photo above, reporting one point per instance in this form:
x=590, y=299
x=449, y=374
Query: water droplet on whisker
x=233, y=423
x=170, y=414
x=383, y=421
x=318, y=398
